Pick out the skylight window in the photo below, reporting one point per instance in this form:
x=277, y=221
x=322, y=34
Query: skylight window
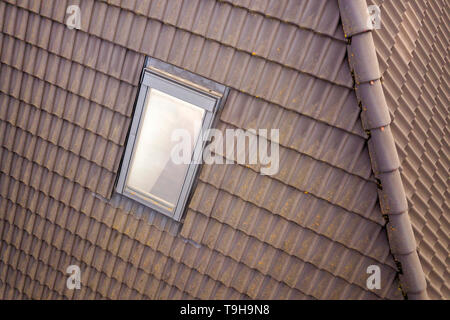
x=170, y=100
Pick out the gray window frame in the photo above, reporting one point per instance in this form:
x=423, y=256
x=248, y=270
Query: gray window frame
x=183, y=85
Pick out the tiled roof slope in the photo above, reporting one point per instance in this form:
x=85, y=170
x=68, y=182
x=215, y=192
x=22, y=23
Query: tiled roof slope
x=382, y=150
x=66, y=97
x=412, y=48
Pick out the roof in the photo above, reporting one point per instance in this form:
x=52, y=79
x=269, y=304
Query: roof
x=412, y=49
x=309, y=232
x=384, y=158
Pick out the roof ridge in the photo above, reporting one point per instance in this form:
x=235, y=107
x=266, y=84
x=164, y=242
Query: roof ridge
x=384, y=158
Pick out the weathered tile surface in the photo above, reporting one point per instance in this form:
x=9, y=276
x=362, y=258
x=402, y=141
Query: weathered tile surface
x=412, y=48
x=66, y=98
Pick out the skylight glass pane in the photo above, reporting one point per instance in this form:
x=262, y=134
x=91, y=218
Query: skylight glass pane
x=152, y=173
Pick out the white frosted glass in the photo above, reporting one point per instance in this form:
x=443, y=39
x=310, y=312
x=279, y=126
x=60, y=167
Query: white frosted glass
x=152, y=173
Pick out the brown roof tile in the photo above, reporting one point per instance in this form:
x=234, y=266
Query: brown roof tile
x=414, y=78
x=244, y=235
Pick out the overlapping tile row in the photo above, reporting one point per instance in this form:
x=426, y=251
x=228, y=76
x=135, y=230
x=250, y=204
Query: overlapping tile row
x=119, y=222
x=295, y=242
x=412, y=48
x=245, y=71
x=209, y=19
x=66, y=98
x=41, y=160
x=302, y=133
x=320, y=181
x=62, y=82
x=320, y=16
x=58, y=184
x=78, y=145
x=268, y=38
x=121, y=246
x=114, y=266
x=19, y=169
x=91, y=143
